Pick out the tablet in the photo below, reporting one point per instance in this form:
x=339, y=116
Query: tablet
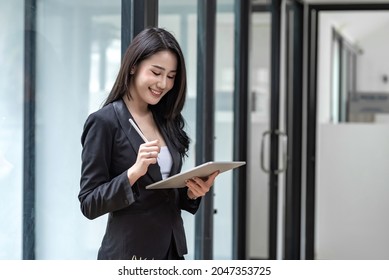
x=203, y=170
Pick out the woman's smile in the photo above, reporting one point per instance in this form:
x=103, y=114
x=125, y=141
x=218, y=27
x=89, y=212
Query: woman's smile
x=157, y=93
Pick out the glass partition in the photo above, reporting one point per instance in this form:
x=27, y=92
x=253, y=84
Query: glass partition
x=78, y=57
x=11, y=128
x=224, y=115
x=180, y=18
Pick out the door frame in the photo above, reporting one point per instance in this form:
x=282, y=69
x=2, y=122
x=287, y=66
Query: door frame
x=293, y=119
x=311, y=109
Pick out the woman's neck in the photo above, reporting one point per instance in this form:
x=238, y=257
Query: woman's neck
x=136, y=108
x=144, y=119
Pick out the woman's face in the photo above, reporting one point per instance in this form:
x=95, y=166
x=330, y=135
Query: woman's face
x=154, y=77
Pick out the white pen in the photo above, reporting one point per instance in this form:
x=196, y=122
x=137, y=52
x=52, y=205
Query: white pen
x=138, y=130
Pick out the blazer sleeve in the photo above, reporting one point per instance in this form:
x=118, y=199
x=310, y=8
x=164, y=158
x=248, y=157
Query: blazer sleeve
x=99, y=193
x=186, y=203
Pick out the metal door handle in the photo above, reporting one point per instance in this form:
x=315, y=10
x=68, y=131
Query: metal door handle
x=266, y=133
x=284, y=151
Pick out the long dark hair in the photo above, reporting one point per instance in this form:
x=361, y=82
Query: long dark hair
x=167, y=112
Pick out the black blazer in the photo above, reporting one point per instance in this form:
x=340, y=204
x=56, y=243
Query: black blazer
x=141, y=223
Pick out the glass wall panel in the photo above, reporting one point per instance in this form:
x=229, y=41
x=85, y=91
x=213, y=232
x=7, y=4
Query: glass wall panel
x=78, y=57
x=180, y=18
x=258, y=192
x=11, y=127
x=224, y=92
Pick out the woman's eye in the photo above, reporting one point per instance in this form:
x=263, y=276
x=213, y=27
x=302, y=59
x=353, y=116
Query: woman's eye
x=156, y=73
x=171, y=77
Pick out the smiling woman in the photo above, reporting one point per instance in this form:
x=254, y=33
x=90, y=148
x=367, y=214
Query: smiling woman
x=117, y=165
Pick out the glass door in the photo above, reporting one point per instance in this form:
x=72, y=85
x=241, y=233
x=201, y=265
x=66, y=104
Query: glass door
x=275, y=134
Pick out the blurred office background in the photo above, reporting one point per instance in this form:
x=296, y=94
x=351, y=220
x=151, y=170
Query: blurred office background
x=300, y=91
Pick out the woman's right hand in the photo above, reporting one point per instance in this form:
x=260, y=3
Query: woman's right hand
x=147, y=154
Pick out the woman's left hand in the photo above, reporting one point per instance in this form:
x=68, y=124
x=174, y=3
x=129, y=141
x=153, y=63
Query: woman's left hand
x=198, y=187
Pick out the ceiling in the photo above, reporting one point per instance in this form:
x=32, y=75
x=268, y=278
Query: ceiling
x=357, y=24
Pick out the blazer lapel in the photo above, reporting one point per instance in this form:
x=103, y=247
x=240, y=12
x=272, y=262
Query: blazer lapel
x=134, y=138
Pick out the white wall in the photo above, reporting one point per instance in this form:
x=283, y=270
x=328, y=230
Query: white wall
x=352, y=192
x=373, y=63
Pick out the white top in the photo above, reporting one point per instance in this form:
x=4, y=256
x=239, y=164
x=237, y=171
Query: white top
x=165, y=161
